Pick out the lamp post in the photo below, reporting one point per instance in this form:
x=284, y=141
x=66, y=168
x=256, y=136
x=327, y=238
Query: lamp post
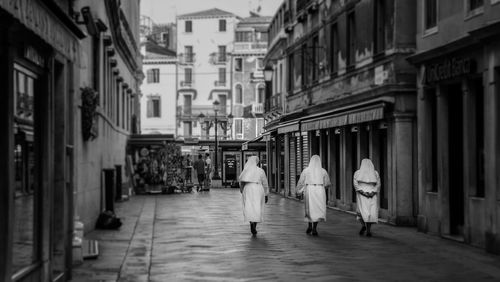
x=202, y=119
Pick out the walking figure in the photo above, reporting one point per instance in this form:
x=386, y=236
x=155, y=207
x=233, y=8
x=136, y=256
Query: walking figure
x=255, y=191
x=367, y=185
x=199, y=167
x=312, y=184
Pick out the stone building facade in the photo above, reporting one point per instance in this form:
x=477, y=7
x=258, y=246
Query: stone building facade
x=349, y=94
x=70, y=72
x=458, y=104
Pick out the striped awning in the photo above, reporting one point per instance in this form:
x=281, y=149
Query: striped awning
x=352, y=117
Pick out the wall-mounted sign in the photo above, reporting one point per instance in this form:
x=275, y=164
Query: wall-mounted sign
x=448, y=69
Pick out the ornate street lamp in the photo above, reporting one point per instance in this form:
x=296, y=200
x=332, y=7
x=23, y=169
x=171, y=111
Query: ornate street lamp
x=268, y=73
x=225, y=126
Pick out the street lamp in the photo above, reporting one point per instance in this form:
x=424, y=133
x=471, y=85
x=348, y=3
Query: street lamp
x=268, y=73
x=202, y=119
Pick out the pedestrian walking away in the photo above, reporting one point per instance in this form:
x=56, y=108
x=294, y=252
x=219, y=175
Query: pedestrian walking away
x=199, y=167
x=255, y=191
x=312, y=184
x=366, y=182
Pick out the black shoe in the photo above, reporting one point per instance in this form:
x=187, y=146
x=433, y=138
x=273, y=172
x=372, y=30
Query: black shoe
x=368, y=234
x=314, y=232
x=253, y=228
x=309, y=229
x=362, y=231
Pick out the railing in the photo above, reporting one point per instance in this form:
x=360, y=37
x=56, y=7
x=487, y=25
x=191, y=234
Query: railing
x=219, y=83
x=274, y=103
x=187, y=83
x=187, y=58
x=257, y=75
x=192, y=112
x=242, y=46
x=219, y=58
x=257, y=108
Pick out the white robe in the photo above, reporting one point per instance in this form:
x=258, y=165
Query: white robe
x=367, y=208
x=254, y=188
x=313, y=188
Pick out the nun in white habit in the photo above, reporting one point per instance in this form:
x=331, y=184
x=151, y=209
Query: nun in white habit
x=255, y=191
x=312, y=183
x=367, y=185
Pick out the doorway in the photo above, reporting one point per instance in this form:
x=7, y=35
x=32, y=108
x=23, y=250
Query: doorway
x=455, y=147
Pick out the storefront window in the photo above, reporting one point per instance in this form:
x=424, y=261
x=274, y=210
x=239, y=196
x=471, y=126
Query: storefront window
x=24, y=233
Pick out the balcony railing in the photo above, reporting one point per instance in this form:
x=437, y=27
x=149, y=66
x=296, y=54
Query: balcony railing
x=192, y=112
x=249, y=46
x=257, y=108
x=187, y=58
x=220, y=83
x=219, y=58
x=187, y=83
x=257, y=75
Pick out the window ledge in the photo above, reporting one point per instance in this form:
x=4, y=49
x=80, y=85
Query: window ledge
x=474, y=13
x=430, y=31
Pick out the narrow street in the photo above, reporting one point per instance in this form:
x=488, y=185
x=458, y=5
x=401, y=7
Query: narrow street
x=202, y=237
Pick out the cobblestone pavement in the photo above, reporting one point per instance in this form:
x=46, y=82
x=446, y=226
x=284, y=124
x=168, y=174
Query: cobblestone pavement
x=202, y=237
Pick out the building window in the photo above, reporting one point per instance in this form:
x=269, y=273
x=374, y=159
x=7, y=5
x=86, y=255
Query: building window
x=261, y=91
x=238, y=64
x=223, y=104
x=315, y=58
x=302, y=57
x=475, y=4
x=222, y=75
x=153, y=76
x=379, y=26
x=165, y=39
x=188, y=129
x=188, y=75
x=187, y=104
x=260, y=63
x=291, y=70
x=188, y=50
x=334, y=49
x=222, y=54
x=238, y=128
x=351, y=39
x=154, y=107
x=244, y=36
x=189, y=26
x=430, y=14
x=222, y=25
x=239, y=94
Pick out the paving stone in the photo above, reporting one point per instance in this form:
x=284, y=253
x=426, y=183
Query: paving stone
x=202, y=237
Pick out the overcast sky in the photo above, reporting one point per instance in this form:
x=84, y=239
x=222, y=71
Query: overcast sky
x=164, y=11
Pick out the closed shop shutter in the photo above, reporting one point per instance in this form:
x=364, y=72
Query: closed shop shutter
x=292, y=168
x=305, y=150
x=298, y=157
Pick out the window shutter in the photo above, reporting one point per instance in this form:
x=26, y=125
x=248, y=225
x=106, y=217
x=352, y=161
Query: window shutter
x=149, y=110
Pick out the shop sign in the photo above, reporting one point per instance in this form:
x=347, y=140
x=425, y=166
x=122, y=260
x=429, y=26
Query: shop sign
x=230, y=169
x=36, y=17
x=31, y=54
x=448, y=69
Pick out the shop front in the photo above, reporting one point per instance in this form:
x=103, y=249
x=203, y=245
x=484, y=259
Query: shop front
x=38, y=52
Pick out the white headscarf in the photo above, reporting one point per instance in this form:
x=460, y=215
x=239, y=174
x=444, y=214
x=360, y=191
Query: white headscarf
x=366, y=172
x=314, y=171
x=251, y=172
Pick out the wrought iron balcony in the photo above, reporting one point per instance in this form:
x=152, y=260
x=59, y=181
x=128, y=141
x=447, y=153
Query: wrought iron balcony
x=274, y=103
x=192, y=112
x=187, y=83
x=249, y=46
x=220, y=83
x=219, y=58
x=187, y=58
x=257, y=108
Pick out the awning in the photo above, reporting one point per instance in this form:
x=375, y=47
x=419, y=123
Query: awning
x=366, y=114
x=263, y=137
x=289, y=127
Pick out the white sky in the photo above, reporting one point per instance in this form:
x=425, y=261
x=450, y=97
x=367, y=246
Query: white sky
x=164, y=11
